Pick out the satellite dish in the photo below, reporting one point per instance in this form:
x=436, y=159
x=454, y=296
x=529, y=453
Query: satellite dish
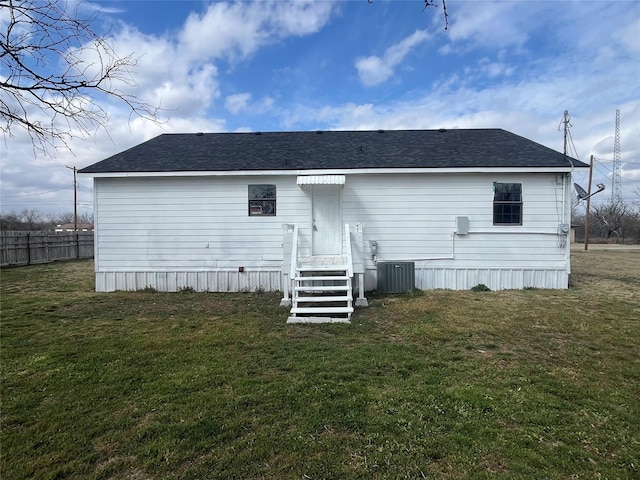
x=582, y=193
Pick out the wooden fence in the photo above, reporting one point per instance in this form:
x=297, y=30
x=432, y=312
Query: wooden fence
x=26, y=248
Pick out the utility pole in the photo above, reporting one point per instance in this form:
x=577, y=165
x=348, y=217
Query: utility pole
x=75, y=197
x=565, y=120
x=586, y=217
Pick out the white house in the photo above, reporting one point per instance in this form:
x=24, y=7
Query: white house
x=325, y=212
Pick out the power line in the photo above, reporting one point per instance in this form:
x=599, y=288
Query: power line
x=630, y=179
x=34, y=194
x=573, y=145
x=602, y=168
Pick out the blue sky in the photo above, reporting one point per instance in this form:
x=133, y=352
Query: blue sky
x=275, y=66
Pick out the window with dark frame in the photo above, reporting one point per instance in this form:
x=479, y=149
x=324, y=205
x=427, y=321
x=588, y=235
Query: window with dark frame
x=507, y=203
x=262, y=200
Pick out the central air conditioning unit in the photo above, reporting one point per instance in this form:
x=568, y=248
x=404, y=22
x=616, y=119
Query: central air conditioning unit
x=396, y=277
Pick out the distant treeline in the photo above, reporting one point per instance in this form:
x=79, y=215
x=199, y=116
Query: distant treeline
x=34, y=220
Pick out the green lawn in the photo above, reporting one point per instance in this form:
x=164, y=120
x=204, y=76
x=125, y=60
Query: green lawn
x=436, y=384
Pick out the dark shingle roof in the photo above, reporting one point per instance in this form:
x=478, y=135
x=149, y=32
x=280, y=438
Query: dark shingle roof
x=332, y=150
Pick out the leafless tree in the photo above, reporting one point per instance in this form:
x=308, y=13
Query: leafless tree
x=9, y=221
x=59, y=218
x=611, y=218
x=432, y=3
x=31, y=218
x=55, y=70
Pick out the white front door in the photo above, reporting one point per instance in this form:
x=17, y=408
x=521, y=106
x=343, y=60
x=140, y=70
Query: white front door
x=326, y=220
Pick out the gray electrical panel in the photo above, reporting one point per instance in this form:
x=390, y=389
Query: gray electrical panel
x=396, y=277
x=462, y=225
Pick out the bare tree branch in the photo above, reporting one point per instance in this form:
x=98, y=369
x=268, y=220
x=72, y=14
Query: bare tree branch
x=56, y=71
x=431, y=3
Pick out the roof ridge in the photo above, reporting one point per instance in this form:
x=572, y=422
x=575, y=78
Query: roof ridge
x=379, y=130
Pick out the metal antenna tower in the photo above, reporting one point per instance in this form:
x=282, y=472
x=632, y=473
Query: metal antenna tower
x=616, y=179
x=566, y=119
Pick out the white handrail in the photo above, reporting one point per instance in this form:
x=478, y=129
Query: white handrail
x=294, y=253
x=347, y=232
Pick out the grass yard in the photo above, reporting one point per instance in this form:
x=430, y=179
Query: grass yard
x=438, y=384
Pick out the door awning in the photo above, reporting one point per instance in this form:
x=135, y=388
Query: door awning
x=321, y=179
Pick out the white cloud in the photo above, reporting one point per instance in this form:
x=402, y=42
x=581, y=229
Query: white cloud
x=352, y=116
x=301, y=17
x=181, y=85
x=268, y=103
x=494, y=69
x=629, y=36
x=236, y=30
x=224, y=30
x=374, y=70
x=94, y=7
x=237, y=103
x=489, y=24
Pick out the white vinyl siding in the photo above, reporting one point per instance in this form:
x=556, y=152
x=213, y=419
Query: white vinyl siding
x=170, y=230
x=412, y=217
x=199, y=223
